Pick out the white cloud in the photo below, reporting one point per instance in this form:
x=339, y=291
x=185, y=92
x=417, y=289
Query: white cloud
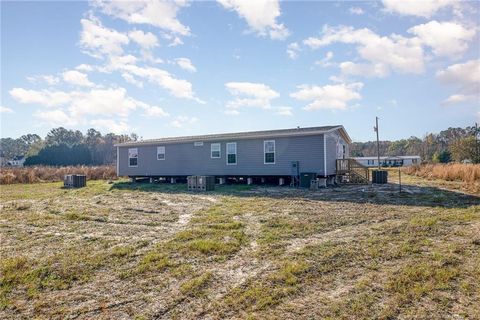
x=112, y=101
x=181, y=121
x=49, y=79
x=76, y=78
x=156, y=112
x=99, y=41
x=176, y=42
x=325, y=62
x=177, y=87
x=378, y=70
x=260, y=15
x=44, y=97
x=395, y=52
x=55, y=118
x=186, y=64
x=445, y=38
x=232, y=112
x=158, y=13
x=284, y=111
x=131, y=79
x=334, y=97
x=292, y=50
x=4, y=109
x=111, y=125
x=146, y=40
x=425, y=8
x=248, y=94
x=84, y=67
x=464, y=76
x=356, y=11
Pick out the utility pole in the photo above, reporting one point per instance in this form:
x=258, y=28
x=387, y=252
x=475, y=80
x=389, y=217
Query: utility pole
x=378, y=142
x=477, y=146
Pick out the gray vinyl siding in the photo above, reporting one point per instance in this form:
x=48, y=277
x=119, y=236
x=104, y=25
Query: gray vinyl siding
x=334, y=146
x=182, y=159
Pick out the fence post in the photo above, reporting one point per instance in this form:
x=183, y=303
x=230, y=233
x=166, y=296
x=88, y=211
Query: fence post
x=400, y=180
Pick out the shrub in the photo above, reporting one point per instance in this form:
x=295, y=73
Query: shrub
x=36, y=174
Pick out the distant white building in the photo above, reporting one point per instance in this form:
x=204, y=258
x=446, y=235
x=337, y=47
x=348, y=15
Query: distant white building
x=17, y=161
x=400, y=161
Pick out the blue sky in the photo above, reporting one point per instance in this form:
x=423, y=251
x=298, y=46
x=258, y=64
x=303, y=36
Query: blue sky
x=182, y=68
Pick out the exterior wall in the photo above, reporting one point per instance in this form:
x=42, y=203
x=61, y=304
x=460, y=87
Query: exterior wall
x=334, y=145
x=182, y=159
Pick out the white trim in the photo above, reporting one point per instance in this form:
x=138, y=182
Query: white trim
x=226, y=153
x=219, y=150
x=118, y=160
x=164, y=151
x=324, y=155
x=132, y=157
x=274, y=152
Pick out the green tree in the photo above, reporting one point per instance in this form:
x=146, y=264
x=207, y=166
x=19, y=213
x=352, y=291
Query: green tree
x=59, y=136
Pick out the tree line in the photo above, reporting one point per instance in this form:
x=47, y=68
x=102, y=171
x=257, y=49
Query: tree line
x=65, y=147
x=453, y=144
x=72, y=147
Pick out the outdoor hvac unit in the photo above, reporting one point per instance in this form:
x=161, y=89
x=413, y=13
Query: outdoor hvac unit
x=74, y=181
x=306, y=178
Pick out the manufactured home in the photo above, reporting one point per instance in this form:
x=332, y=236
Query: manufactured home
x=273, y=153
x=400, y=161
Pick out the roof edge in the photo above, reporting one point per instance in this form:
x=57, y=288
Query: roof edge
x=227, y=136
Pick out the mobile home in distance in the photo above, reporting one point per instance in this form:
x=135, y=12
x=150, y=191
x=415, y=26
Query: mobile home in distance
x=273, y=153
x=400, y=161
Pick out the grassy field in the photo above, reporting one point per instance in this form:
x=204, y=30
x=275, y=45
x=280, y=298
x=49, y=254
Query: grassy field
x=123, y=251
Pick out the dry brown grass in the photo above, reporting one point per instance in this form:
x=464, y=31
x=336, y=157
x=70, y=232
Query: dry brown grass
x=52, y=174
x=469, y=174
x=155, y=251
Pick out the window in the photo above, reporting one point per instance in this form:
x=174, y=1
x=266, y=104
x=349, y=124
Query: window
x=132, y=157
x=369, y=162
x=414, y=160
x=269, y=152
x=198, y=144
x=160, y=153
x=232, y=153
x=215, y=150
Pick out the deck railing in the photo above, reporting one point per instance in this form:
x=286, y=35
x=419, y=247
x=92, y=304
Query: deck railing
x=358, y=173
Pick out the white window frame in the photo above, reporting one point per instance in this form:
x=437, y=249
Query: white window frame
x=136, y=152
x=158, y=152
x=219, y=150
x=265, y=153
x=226, y=152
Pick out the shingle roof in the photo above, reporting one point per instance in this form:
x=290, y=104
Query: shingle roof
x=241, y=135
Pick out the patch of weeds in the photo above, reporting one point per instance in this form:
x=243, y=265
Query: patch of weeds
x=416, y=279
x=123, y=251
x=261, y=293
x=154, y=261
x=195, y=287
x=76, y=216
x=423, y=222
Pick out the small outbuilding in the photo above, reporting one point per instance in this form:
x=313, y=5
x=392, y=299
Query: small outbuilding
x=398, y=161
